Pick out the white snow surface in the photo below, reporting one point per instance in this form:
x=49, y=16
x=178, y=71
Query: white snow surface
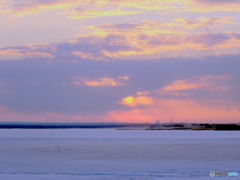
x=117, y=154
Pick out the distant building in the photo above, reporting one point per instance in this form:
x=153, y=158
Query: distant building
x=171, y=120
x=157, y=122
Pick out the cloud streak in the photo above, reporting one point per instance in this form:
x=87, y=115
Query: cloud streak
x=133, y=43
x=94, y=8
x=103, y=81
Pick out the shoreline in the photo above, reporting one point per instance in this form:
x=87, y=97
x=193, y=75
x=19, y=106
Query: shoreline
x=124, y=126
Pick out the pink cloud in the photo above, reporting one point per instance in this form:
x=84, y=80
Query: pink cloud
x=102, y=81
x=208, y=82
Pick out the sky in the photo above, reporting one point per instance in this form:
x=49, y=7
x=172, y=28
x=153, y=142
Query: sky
x=120, y=61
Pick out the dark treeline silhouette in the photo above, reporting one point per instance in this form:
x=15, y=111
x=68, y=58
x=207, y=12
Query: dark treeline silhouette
x=122, y=126
x=68, y=125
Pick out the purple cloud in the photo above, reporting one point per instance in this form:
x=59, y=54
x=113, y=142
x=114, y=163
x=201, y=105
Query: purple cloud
x=209, y=39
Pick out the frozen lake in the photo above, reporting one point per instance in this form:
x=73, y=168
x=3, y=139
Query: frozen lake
x=117, y=154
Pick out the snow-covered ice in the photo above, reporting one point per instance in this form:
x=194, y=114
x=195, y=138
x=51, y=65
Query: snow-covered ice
x=117, y=154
